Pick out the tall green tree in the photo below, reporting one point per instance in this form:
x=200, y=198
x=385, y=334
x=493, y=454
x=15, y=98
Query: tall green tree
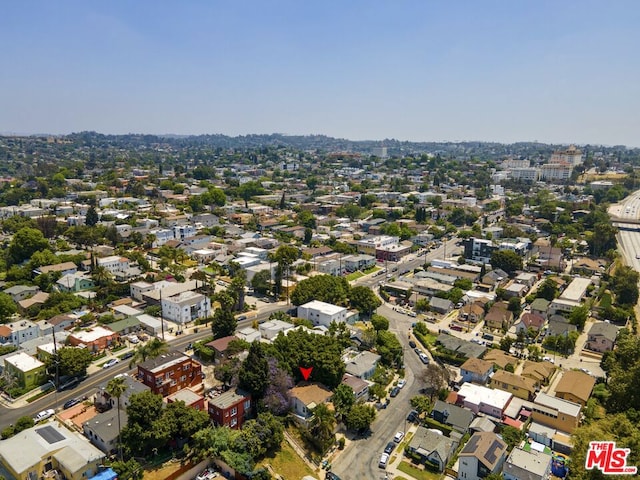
x=343, y=399
x=325, y=288
x=25, y=242
x=248, y=190
x=7, y=307
x=548, y=290
x=364, y=300
x=254, y=373
x=507, y=260
x=284, y=257
x=224, y=323
x=91, y=218
x=71, y=361
x=624, y=285
x=360, y=417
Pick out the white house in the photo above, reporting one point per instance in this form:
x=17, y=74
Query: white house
x=114, y=264
x=185, y=307
x=523, y=465
x=270, y=330
x=486, y=400
x=321, y=313
x=19, y=332
x=138, y=288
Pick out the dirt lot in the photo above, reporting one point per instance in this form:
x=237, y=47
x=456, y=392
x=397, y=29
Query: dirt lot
x=165, y=471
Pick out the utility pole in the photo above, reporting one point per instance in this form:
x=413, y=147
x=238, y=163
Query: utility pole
x=161, y=316
x=55, y=355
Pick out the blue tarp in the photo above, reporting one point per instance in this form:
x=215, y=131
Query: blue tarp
x=107, y=474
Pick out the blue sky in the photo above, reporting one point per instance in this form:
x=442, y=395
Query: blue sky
x=552, y=71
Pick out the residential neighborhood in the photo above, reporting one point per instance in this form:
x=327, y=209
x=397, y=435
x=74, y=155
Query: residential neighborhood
x=474, y=313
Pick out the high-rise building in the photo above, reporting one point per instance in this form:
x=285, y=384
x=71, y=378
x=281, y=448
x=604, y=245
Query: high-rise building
x=571, y=155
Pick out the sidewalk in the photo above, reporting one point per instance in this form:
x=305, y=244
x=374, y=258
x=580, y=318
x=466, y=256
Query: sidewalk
x=398, y=455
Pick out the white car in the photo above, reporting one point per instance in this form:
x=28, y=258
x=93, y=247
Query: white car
x=111, y=363
x=384, y=458
x=43, y=415
x=401, y=383
x=398, y=437
x=134, y=339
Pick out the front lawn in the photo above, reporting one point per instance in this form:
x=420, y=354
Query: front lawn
x=416, y=473
x=287, y=463
x=354, y=276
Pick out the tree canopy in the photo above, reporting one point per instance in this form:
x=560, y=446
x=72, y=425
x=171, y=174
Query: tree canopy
x=26, y=242
x=364, y=300
x=507, y=260
x=301, y=349
x=325, y=288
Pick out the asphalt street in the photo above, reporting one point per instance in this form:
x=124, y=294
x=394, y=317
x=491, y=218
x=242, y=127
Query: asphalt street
x=8, y=416
x=360, y=458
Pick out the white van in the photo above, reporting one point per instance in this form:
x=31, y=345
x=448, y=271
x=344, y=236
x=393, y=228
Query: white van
x=384, y=458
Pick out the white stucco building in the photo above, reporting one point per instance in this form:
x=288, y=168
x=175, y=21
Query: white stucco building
x=321, y=313
x=185, y=307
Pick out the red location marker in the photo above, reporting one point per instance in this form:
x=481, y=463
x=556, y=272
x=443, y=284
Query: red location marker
x=305, y=372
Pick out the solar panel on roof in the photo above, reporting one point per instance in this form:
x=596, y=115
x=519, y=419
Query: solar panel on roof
x=490, y=454
x=50, y=434
x=471, y=445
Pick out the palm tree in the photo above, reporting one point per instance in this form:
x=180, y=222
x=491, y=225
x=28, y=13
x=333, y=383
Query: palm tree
x=156, y=347
x=321, y=426
x=153, y=349
x=101, y=276
x=116, y=388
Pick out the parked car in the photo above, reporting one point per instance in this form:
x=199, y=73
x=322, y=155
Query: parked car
x=401, y=383
x=394, y=392
x=129, y=354
x=43, y=415
x=487, y=336
x=412, y=344
x=331, y=476
x=413, y=416
x=67, y=384
x=457, y=328
x=134, y=339
x=111, y=363
x=71, y=403
x=389, y=448
x=384, y=458
x=423, y=358
x=398, y=437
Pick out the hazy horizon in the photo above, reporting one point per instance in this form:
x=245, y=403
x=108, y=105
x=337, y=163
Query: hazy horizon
x=494, y=71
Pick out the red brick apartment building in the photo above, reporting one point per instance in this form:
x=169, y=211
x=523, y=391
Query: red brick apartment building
x=170, y=373
x=230, y=409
